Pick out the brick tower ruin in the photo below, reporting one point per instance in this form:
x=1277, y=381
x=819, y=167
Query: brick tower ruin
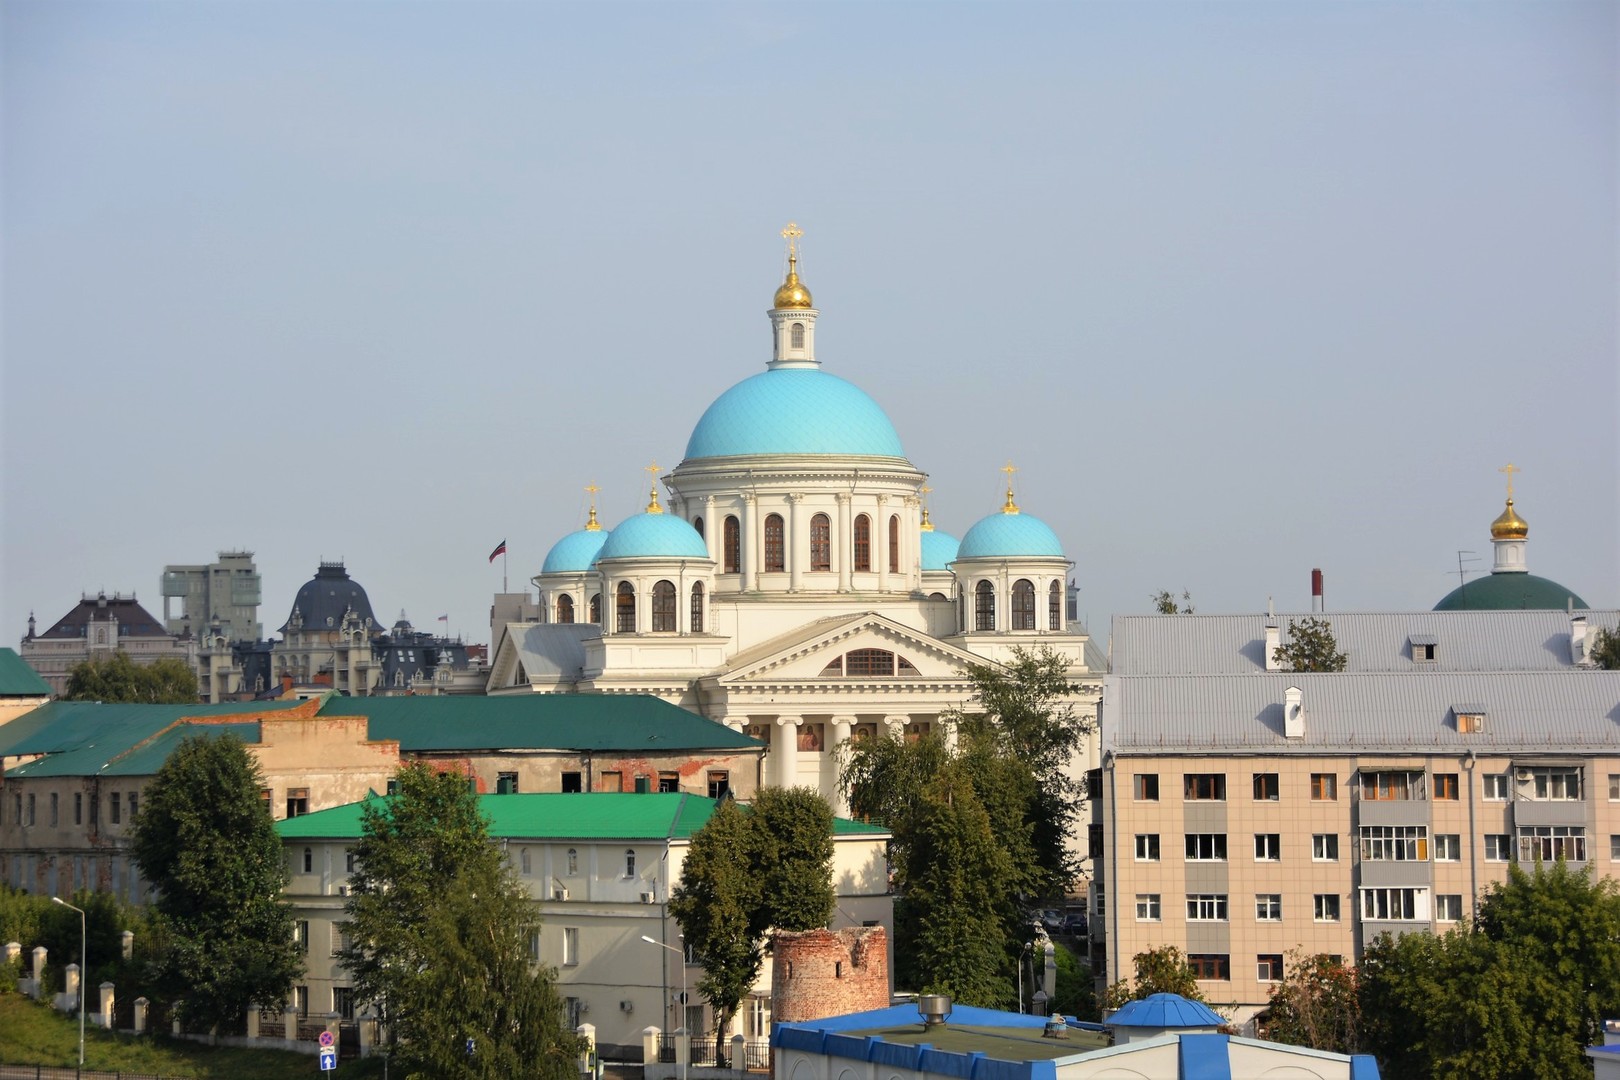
x=820, y=973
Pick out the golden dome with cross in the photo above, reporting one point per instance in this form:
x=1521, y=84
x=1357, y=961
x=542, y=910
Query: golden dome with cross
x=793, y=293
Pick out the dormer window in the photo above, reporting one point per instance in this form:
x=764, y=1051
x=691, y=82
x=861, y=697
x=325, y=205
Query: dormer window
x=1470, y=719
x=1424, y=647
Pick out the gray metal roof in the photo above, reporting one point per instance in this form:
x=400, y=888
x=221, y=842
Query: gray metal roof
x=1374, y=641
x=552, y=650
x=1526, y=711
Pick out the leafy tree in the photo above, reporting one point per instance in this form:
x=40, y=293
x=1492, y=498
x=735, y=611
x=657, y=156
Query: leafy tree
x=1164, y=602
x=1158, y=971
x=950, y=932
x=791, y=832
x=1316, y=1005
x=746, y=873
x=1606, y=649
x=1073, y=996
x=205, y=840
x=1311, y=646
x=119, y=679
x=439, y=930
x=715, y=903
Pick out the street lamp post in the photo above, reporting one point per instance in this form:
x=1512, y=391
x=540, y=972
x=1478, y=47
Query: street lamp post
x=682, y=1014
x=82, y=973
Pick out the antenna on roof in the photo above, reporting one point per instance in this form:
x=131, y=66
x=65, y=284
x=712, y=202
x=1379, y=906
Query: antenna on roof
x=1461, y=578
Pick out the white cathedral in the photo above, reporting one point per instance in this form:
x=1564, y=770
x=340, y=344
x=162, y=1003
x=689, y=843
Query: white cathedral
x=794, y=588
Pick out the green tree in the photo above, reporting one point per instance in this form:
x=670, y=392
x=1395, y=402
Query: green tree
x=748, y=872
x=791, y=831
x=205, y=840
x=117, y=678
x=716, y=904
x=1074, y=996
x=1164, y=602
x=950, y=926
x=1316, y=1005
x=1311, y=646
x=1606, y=649
x=1158, y=971
x=440, y=932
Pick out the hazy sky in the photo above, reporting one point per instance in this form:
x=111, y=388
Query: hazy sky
x=1242, y=289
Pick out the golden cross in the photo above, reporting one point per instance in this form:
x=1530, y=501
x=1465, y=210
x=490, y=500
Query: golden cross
x=1510, y=469
x=1010, y=507
x=652, y=506
x=1009, y=469
x=591, y=525
x=792, y=234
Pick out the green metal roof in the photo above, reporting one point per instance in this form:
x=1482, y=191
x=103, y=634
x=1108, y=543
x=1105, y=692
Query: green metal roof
x=592, y=816
x=610, y=722
x=88, y=738
x=17, y=679
x=1508, y=591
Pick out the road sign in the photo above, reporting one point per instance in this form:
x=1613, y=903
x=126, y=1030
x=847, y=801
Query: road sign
x=326, y=1038
x=328, y=1058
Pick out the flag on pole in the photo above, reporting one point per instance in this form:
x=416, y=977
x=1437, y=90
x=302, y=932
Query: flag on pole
x=444, y=618
x=500, y=549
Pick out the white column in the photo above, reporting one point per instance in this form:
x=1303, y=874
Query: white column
x=895, y=726
x=750, y=543
x=785, y=749
x=947, y=729
x=880, y=542
x=793, y=542
x=714, y=531
x=844, y=552
x=835, y=748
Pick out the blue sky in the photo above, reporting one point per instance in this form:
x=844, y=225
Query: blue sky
x=1242, y=288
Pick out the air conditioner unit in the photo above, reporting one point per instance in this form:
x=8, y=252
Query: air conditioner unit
x=559, y=894
x=649, y=898
x=1523, y=774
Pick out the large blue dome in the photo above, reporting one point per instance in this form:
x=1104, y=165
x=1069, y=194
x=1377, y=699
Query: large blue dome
x=938, y=550
x=574, y=553
x=654, y=536
x=794, y=411
x=1002, y=536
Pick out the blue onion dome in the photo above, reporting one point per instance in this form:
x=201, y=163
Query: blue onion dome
x=654, y=535
x=794, y=411
x=938, y=550
x=1010, y=535
x=574, y=553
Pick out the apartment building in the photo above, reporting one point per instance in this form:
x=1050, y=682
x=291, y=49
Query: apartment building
x=1245, y=812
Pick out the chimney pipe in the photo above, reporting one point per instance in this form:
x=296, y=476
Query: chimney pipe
x=1318, y=604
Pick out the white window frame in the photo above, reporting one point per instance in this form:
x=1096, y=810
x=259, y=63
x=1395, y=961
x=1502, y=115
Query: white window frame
x=1267, y=847
x=1447, y=847
x=570, y=944
x=1147, y=847
x=1148, y=907
x=1206, y=907
x=1394, y=843
x=1551, y=838
x=1268, y=907
x=1324, y=847
x=1322, y=910
x=1448, y=907
x=1216, y=841
x=1503, y=845
x=1493, y=787
x=1395, y=903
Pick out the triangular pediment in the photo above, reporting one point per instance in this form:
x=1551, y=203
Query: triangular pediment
x=803, y=655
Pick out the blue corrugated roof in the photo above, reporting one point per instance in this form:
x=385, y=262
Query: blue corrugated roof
x=574, y=552
x=794, y=411
x=1168, y=1011
x=654, y=536
x=1010, y=535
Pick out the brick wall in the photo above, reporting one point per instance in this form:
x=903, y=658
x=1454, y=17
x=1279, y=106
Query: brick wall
x=820, y=973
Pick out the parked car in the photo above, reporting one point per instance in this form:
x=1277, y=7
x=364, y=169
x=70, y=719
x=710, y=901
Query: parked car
x=1052, y=919
x=1074, y=924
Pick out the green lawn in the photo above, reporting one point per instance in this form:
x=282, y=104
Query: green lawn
x=35, y=1034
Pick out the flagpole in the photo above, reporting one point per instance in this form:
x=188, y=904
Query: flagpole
x=503, y=570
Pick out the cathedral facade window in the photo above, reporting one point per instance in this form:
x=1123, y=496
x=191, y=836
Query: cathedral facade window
x=984, y=606
x=625, y=605
x=775, y=555
x=894, y=543
x=565, y=608
x=796, y=336
x=697, y=607
x=596, y=608
x=1023, y=605
x=863, y=542
x=663, y=608
x=820, y=542
x=697, y=525
x=733, y=545
x=1054, y=606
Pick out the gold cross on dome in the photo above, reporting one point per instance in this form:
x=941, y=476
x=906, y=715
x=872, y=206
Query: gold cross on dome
x=1510, y=469
x=1010, y=507
x=792, y=234
x=592, y=525
x=652, y=505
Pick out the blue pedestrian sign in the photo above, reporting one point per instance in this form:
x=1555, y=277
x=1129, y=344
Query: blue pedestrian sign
x=328, y=1058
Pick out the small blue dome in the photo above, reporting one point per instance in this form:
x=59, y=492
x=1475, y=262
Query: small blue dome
x=574, y=552
x=794, y=411
x=938, y=549
x=654, y=536
x=1168, y=1011
x=1002, y=536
